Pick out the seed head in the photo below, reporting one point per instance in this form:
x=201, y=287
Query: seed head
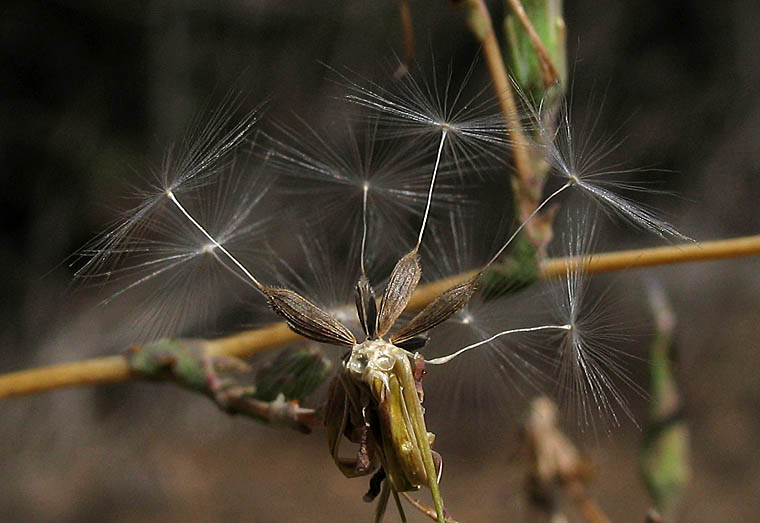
x=578, y=156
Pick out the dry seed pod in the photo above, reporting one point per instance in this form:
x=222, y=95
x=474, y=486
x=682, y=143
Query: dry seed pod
x=307, y=319
x=401, y=286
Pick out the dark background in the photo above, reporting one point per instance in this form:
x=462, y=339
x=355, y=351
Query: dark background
x=92, y=92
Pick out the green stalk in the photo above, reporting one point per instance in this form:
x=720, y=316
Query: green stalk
x=420, y=430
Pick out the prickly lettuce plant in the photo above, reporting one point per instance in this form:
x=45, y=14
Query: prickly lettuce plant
x=395, y=200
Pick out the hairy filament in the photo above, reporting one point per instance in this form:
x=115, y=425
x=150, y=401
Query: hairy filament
x=525, y=222
x=175, y=261
x=446, y=359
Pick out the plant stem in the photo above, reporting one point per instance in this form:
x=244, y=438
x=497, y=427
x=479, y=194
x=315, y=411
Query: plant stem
x=114, y=369
x=247, y=343
x=528, y=182
x=637, y=258
x=548, y=70
x=109, y=369
x=480, y=23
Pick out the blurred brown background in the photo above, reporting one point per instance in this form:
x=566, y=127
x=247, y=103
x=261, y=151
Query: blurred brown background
x=93, y=91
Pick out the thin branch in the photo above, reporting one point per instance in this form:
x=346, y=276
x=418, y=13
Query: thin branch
x=250, y=342
x=109, y=369
x=113, y=369
x=637, y=258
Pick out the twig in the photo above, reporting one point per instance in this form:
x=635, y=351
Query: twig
x=109, y=369
x=113, y=369
x=637, y=258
